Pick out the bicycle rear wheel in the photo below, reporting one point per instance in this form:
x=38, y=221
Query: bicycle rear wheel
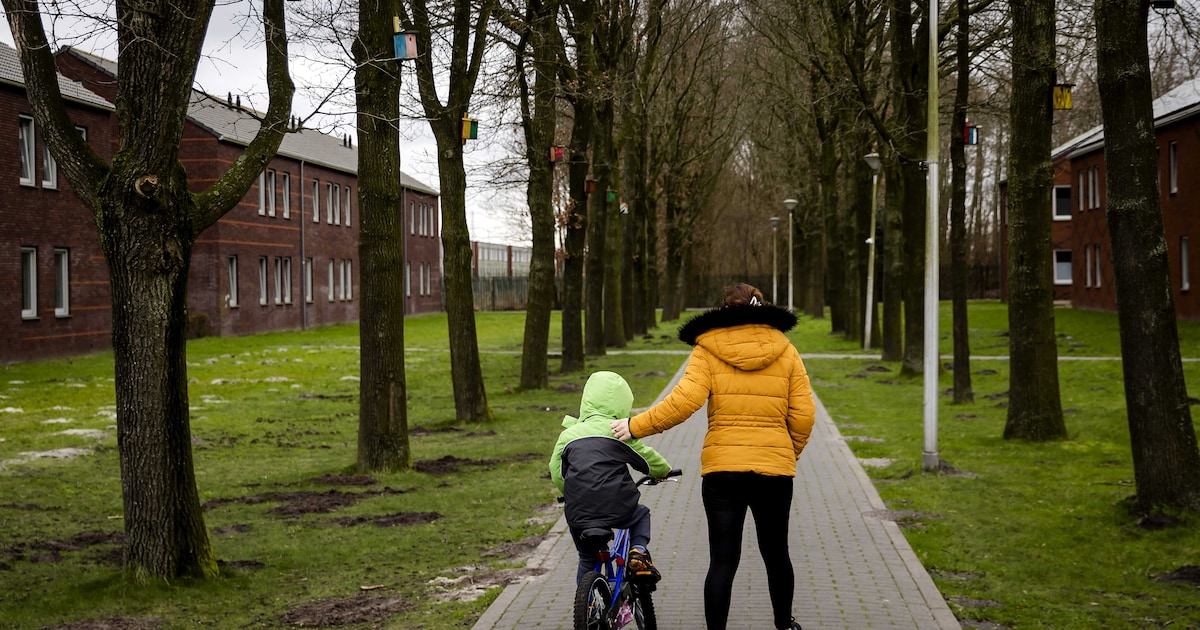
x=591, y=602
x=643, y=609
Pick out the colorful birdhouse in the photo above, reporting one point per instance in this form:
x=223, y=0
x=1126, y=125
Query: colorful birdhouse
x=556, y=154
x=612, y=195
x=1062, y=95
x=470, y=129
x=404, y=43
x=589, y=186
x=970, y=133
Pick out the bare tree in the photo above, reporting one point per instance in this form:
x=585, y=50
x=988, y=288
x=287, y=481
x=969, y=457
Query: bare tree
x=148, y=222
x=1034, y=410
x=461, y=30
x=958, y=208
x=1166, y=462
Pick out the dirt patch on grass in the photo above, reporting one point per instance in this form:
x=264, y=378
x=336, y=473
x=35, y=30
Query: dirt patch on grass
x=347, y=611
x=240, y=528
x=345, y=480
x=969, y=602
x=1189, y=573
x=903, y=518
x=451, y=464
x=515, y=551
x=398, y=519
x=112, y=623
x=301, y=502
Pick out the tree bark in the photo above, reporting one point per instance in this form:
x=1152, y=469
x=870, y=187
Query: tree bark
x=382, y=393
x=1166, y=462
x=958, y=214
x=466, y=31
x=892, y=266
x=148, y=221
x=1034, y=410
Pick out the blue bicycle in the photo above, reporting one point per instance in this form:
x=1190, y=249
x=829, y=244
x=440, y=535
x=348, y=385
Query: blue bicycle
x=604, y=599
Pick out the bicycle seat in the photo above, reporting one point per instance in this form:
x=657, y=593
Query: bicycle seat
x=598, y=536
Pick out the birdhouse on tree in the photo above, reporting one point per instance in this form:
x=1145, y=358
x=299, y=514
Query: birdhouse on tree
x=1062, y=95
x=589, y=186
x=612, y=195
x=404, y=43
x=470, y=129
x=970, y=133
x=556, y=154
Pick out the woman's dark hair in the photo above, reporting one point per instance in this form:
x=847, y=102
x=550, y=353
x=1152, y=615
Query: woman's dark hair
x=742, y=294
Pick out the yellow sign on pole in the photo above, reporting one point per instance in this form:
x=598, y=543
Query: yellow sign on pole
x=1062, y=95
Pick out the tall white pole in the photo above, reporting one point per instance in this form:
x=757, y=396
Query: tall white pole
x=929, y=459
x=774, y=264
x=871, y=265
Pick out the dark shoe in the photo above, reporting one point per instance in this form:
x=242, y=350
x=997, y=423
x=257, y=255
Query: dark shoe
x=793, y=626
x=641, y=568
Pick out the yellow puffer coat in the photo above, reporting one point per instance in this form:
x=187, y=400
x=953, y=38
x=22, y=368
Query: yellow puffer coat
x=760, y=407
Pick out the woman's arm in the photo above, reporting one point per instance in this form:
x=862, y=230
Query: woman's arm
x=688, y=396
x=801, y=409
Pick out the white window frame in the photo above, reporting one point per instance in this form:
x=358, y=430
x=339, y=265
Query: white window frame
x=329, y=203
x=316, y=201
x=347, y=208
x=262, y=194
x=29, y=288
x=1061, y=216
x=278, y=280
x=49, y=169
x=412, y=217
x=26, y=150
x=332, y=294
x=1087, y=263
x=271, y=193
x=1082, y=189
x=1059, y=280
x=62, y=282
x=1185, y=277
x=1173, y=159
x=262, y=280
x=336, y=198
x=232, y=298
x=308, y=280
x=287, y=280
x=1096, y=262
x=286, y=191
x=407, y=279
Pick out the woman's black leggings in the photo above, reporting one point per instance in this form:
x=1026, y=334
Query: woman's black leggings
x=726, y=497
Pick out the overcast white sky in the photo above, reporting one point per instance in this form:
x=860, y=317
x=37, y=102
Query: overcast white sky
x=235, y=62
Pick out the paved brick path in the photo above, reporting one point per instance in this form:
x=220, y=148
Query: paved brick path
x=852, y=570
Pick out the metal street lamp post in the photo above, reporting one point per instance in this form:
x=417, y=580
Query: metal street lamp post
x=774, y=266
x=789, y=205
x=872, y=161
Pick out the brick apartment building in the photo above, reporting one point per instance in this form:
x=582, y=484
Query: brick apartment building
x=1083, y=271
x=284, y=258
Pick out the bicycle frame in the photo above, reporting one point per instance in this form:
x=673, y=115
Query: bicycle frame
x=611, y=564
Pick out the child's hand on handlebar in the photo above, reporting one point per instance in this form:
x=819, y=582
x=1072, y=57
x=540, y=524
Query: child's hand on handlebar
x=620, y=429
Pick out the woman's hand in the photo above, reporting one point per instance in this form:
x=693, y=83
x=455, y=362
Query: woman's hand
x=620, y=428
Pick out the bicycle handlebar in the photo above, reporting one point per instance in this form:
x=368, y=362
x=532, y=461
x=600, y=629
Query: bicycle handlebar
x=654, y=481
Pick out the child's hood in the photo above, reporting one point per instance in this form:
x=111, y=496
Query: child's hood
x=606, y=396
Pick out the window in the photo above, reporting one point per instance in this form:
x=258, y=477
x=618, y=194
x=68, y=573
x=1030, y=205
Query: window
x=262, y=280
x=1062, y=203
x=1062, y=266
x=1081, y=191
x=407, y=280
x=345, y=283
x=336, y=202
x=412, y=217
x=308, y=280
x=271, y=193
x=1185, y=280
x=428, y=279
x=1096, y=262
x=29, y=282
x=286, y=191
x=328, y=203
x=262, y=194
x=1087, y=264
x=62, y=282
x=1173, y=164
x=347, y=208
x=278, y=280
x=232, y=298
x=287, y=280
x=316, y=199
x=49, y=169
x=25, y=139
x=1096, y=188
x=421, y=227
x=331, y=293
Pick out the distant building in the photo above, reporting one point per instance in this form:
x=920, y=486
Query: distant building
x=284, y=258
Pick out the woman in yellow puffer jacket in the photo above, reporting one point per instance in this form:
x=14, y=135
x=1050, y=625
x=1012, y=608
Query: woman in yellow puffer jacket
x=760, y=414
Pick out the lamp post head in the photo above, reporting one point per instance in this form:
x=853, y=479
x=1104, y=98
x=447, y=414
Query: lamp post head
x=774, y=222
x=873, y=161
x=790, y=204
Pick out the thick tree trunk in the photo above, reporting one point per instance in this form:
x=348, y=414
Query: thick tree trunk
x=539, y=191
x=674, y=271
x=613, y=259
x=576, y=238
x=958, y=215
x=1034, y=410
x=913, y=208
x=892, y=267
x=382, y=394
x=1166, y=462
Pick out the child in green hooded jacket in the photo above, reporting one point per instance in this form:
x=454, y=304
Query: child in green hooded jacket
x=590, y=466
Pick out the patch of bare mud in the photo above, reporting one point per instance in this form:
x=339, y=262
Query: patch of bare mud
x=301, y=502
x=347, y=611
x=112, y=623
x=399, y=519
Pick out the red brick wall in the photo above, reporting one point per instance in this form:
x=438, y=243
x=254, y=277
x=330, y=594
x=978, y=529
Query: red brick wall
x=422, y=247
x=47, y=218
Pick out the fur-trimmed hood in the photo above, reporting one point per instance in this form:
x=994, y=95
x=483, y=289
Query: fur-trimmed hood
x=729, y=316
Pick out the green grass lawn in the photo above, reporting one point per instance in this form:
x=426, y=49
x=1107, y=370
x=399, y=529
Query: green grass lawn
x=1027, y=536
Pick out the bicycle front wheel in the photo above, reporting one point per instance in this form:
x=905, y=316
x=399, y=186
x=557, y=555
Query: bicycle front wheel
x=643, y=609
x=591, y=602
